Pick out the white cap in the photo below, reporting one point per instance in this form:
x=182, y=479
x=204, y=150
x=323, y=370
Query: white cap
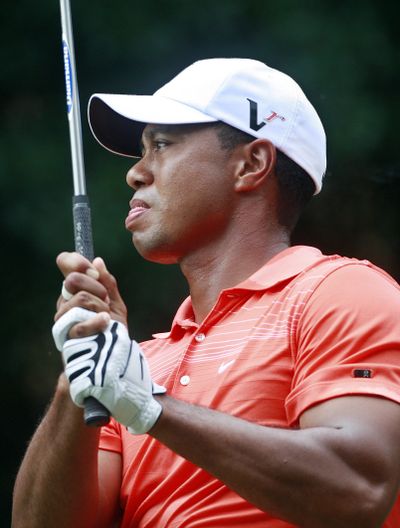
x=243, y=93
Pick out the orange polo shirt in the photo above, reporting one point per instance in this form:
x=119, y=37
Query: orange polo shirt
x=303, y=329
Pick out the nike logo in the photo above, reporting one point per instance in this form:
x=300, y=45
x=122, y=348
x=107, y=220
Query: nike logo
x=225, y=365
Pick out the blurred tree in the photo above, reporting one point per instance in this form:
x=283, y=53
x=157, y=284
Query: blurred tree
x=345, y=56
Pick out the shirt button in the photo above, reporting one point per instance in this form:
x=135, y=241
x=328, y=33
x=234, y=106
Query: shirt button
x=185, y=380
x=200, y=337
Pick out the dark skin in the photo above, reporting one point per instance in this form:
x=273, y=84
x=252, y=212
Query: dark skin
x=339, y=469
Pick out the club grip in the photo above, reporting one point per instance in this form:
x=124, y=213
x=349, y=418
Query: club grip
x=95, y=414
x=82, y=226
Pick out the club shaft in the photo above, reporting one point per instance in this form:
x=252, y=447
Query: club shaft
x=73, y=107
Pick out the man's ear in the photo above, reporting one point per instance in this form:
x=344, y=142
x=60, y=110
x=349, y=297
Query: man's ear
x=256, y=164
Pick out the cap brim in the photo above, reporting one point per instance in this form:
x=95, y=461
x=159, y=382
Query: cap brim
x=117, y=121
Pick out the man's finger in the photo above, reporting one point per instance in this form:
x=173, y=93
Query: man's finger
x=64, y=328
x=107, y=279
x=93, y=326
x=82, y=299
x=69, y=262
x=77, y=281
x=117, y=304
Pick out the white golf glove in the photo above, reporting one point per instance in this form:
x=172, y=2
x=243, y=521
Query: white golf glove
x=111, y=368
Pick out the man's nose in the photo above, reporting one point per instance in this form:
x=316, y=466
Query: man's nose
x=139, y=175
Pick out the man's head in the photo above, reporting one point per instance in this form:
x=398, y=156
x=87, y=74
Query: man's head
x=243, y=93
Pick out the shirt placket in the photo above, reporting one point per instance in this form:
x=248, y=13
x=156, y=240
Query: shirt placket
x=186, y=369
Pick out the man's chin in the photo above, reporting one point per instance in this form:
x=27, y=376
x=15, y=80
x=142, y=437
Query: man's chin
x=154, y=254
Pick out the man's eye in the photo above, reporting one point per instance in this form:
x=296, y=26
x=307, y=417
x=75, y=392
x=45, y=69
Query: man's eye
x=159, y=144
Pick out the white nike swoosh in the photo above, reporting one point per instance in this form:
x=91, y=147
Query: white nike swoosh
x=224, y=366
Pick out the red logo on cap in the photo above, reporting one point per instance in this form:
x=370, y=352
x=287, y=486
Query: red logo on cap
x=254, y=124
x=273, y=116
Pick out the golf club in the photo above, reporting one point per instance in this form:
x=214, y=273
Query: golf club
x=95, y=414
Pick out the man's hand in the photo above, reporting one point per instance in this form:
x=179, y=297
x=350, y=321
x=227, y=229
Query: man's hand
x=91, y=287
x=111, y=368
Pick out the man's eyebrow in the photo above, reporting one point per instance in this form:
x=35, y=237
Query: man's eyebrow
x=151, y=131
x=182, y=128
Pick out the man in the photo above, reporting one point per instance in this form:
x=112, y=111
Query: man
x=274, y=399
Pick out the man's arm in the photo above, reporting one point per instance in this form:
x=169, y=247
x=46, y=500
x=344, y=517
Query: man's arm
x=340, y=469
x=57, y=484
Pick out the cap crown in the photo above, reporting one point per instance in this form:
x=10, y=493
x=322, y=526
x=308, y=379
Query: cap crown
x=256, y=99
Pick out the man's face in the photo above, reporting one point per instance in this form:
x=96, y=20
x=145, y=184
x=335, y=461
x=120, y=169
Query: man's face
x=184, y=195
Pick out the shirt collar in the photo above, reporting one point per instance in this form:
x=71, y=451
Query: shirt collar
x=284, y=266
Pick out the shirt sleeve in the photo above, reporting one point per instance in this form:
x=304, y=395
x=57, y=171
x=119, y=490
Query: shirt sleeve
x=347, y=340
x=110, y=437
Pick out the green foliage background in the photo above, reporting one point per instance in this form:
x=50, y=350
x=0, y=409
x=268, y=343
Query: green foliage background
x=344, y=54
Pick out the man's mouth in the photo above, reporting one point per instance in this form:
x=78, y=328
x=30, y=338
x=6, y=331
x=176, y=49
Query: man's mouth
x=137, y=208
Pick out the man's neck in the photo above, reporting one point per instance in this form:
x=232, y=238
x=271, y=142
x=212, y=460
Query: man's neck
x=209, y=272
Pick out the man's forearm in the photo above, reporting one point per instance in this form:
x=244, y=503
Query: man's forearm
x=296, y=475
x=57, y=480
